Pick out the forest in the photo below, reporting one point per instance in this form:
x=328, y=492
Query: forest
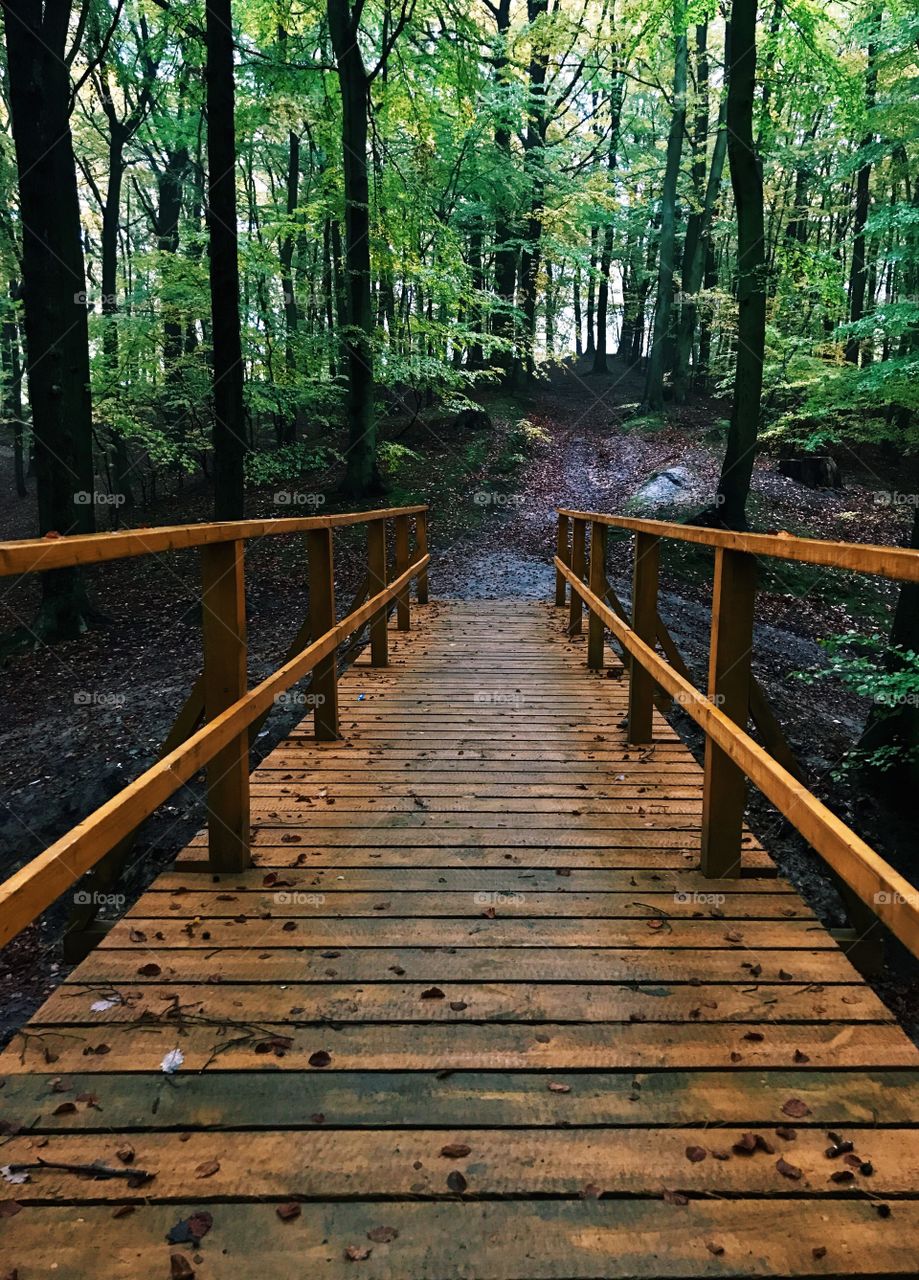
x=265, y=257
x=344, y=925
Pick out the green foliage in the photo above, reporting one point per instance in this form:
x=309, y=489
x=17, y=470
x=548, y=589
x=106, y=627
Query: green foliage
x=289, y=462
x=887, y=675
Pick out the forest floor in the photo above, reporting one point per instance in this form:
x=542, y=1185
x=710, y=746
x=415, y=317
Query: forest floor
x=84, y=718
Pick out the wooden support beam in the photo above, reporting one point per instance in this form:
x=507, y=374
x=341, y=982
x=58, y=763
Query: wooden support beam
x=421, y=549
x=225, y=680
x=645, y=575
x=597, y=583
x=725, y=793
x=564, y=554
x=892, y=898
x=35, y=886
x=324, y=684
x=578, y=544
x=376, y=577
x=403, y=607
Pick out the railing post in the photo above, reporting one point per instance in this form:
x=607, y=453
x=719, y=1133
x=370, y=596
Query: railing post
x=376, y=581
x=725, y=794
x=421, y=549
x=576, y=604
x=223, y=624
x=324, y=684
x=403, y=609
x=644, y=624
x=561, y=550
x=597, y=584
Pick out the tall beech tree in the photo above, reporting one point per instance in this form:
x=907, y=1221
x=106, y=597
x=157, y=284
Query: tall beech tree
x=229, y=416
x=53, y=291
x=654, y=385
x=362, y=477
x=747, y=185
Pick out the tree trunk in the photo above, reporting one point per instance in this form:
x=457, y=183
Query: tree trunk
x=654, y=387
x=54, y=285
x=616, y=96
x=229, y=418
x=698, y=231
x=747, y=185
x=857, y=278
x=362, y=476
x=286, y=255
x=591, y=347
x=576, y=300
x=12, y=391
x=505, y=249
x=898, y=728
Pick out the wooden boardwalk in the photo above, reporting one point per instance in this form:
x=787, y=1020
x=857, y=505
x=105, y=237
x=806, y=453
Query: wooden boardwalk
x=474, y=1013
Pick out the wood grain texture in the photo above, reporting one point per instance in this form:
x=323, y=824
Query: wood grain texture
x=477, y=921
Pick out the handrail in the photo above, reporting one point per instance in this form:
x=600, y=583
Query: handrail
x=731, y=755
x=222, y=743
x=37, y=555
x=899, y=563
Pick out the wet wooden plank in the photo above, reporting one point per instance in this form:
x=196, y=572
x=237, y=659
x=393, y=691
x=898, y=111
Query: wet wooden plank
x=220, y=1045
x=468, y=1002
x=530, y=1240
x=465, y=964
x=498, y=1099
x=326, y=1164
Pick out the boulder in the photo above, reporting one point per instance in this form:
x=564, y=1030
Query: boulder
x=674, y=487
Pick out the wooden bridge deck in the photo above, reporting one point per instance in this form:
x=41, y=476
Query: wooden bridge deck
x=474, y=1013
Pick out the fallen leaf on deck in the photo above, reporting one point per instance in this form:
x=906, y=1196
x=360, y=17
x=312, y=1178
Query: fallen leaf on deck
x=357, y=1253
x=382, y=1235
x=192, y=1229
x=172, y=1061
x=287, y=1212
x=321, y=1058
x=180, y=1268
x=455, y=1150
x=207, y=1168
x=795, y=1108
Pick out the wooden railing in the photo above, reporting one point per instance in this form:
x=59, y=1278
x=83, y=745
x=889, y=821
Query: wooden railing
x=731, y=755
x=229, y=708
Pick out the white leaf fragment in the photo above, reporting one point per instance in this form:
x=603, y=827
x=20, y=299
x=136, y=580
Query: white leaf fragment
x=172, y=1061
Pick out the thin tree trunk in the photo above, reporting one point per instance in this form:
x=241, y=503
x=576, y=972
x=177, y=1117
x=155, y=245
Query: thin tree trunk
x=12, y=392
x=857, y=274
x=695, y=249
x=229, y=418
x=617, y=94
x=362, y=475
x=654, y=387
